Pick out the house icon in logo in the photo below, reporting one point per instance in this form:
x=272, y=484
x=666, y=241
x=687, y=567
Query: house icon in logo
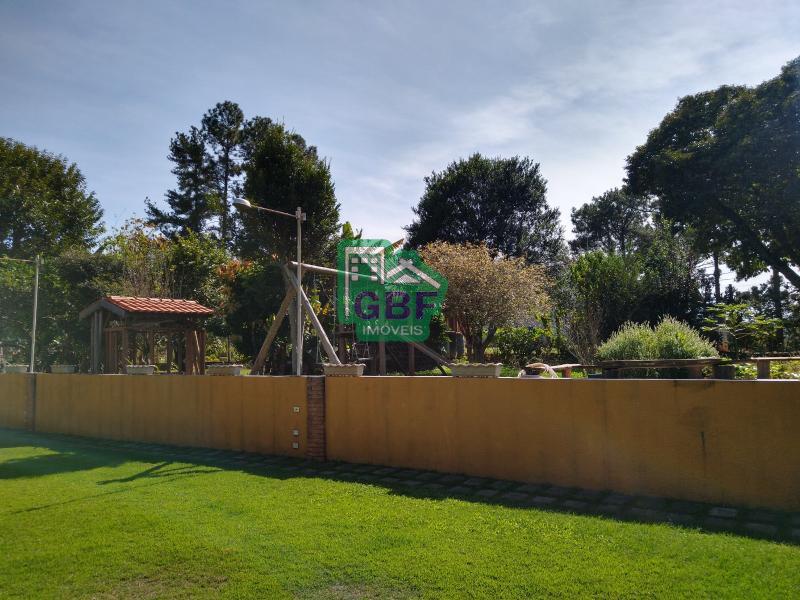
x=406, y=272
x=386, y=292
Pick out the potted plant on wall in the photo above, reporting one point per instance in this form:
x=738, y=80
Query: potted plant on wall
x=343, y=370
x=224, y=369
x=140, y=369
x=475, y=369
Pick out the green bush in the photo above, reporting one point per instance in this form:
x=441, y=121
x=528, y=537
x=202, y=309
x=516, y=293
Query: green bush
x=632, y=341
x=519, y=346
x=669, y=339
x=675, y=339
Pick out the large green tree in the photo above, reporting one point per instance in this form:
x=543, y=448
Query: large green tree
x=600, y=291
x=45, y=207
x=727, y=163
x=500, y=202
x=222, y=131
x=192, y=203
x=206, y=165
x=282, y=172
x=611, y=222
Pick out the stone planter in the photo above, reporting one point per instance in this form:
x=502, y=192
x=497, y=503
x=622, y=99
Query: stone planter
x=140, y=369
x=62, y=369
x=475, y=369
x=16, y=368
x=348, y=370
x=224, y=369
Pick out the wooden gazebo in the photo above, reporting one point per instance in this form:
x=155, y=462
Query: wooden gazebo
x=126, y=330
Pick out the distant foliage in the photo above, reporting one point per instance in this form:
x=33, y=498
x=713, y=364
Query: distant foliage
x=744, y=330
x=669, y=339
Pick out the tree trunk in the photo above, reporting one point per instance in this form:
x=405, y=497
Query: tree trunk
x=477, y=350
x=717, y=277
x=764, y=252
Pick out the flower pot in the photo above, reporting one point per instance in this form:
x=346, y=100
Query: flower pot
x=224, y=370
x=16, y=368
x=140, y=369
x=475, y=369
x=348, y=370
x=62, y=369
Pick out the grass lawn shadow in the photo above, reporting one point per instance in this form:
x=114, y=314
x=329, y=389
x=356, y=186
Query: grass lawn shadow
x=76, y=453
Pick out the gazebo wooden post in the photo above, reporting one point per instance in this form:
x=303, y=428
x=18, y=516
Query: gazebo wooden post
x=201, y=355
x=169, y=352
x=188, y=357
x=95, y=341
x=180, y=354
x=125, y=347
x=151, y=348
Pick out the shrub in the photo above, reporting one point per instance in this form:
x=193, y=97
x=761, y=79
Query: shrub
x=675, y=339
x=632, y=341
x=669, y=339
x=519, y=346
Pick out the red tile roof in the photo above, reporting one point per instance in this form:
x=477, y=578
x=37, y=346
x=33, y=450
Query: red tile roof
x=172, y=306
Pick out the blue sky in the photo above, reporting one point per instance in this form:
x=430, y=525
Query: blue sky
x=388, y=91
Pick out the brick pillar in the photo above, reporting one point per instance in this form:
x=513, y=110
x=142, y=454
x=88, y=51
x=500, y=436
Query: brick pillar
x=315, y=396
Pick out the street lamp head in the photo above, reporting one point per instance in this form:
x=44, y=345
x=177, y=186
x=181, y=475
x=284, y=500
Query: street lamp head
x=242, y=204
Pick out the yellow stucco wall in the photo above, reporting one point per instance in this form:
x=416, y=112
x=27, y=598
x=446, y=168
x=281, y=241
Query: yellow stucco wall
x=254, y=414
x=717, y=441
x=14, y=394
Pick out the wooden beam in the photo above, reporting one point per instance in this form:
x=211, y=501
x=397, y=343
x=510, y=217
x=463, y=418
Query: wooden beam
x=328, y=270
x=93, y=344
x=126, y=348
x=323, y=337
x=440, y=360
x=201, y=353
x=261, y=358
x=671, y=363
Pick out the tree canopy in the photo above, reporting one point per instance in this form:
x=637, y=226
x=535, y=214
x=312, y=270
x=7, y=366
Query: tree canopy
x=727, y=162
x=611, y=222
x=282, y=172
x=485, y=293
x=206, y=165
x=45, y=207
x=497, y=201
x=191, y=204
x=222, y=131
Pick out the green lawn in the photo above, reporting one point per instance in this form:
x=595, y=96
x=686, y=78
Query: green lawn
x=82, y=520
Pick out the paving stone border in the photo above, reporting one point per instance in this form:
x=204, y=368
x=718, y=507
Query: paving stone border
x=751, y=522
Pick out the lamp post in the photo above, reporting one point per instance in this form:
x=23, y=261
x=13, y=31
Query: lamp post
x=299, y=216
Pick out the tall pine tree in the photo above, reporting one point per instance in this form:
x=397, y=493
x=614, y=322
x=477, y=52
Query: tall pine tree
x=191, y=204
x=222, y=132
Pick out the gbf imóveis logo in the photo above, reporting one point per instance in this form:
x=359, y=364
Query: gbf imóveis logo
x=387, y=295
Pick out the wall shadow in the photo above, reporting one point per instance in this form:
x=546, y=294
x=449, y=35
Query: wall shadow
x=172, y=462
